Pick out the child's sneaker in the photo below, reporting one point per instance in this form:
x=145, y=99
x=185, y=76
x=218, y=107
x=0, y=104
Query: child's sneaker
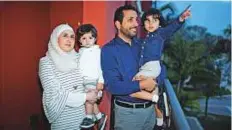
x=101, y=122
x=87, y=123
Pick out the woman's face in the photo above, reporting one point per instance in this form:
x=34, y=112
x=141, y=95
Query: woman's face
x=66, y=40
x=87, y=40
x=151, y=23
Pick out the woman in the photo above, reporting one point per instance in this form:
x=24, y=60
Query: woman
x=63, y=95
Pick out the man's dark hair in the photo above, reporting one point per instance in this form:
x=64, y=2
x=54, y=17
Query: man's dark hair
x=83, y=29
x=118, y=15
x=156, y=13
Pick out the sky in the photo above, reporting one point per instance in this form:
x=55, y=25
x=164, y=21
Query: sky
x=214, y=15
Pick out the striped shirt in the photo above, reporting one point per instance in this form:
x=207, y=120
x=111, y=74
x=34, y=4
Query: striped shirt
x=57, y=86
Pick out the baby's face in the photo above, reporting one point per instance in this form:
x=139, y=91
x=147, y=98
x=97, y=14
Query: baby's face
x=87, y=40
x=151, y=23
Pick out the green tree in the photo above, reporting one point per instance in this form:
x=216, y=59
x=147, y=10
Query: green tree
x=182, y=58
x=208, y=79
x=222, y=51
x=227, y=32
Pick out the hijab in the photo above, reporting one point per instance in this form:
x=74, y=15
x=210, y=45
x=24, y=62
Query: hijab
x=64, y=61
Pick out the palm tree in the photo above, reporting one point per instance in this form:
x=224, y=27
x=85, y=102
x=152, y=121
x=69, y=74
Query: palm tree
x=208, y=79
x=182, y=59
x=189, y=58
x=189, y=61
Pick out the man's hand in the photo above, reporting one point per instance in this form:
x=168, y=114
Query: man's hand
x=140, y=77
x=148, y=84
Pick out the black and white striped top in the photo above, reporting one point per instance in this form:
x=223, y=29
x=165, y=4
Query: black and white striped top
x=57, y=86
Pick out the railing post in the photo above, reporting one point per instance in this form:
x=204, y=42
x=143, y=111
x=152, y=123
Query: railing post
x=178, y=115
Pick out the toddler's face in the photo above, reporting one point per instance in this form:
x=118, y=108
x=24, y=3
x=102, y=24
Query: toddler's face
x=87, y=40
x=151, y=23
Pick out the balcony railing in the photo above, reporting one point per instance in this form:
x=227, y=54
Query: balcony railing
x=178, y=116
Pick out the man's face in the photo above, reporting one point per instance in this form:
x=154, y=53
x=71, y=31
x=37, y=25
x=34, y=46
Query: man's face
x=128, y=27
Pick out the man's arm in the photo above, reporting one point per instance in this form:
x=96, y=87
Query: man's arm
x=117, y=82
x=143, y=95
x=146, y=95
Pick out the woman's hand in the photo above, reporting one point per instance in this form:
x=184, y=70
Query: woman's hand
x=100, y=86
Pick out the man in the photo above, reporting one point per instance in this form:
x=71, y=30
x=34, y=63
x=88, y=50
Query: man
x=120, y=62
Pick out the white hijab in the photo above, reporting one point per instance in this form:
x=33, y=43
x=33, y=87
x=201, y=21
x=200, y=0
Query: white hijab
x=64, y=61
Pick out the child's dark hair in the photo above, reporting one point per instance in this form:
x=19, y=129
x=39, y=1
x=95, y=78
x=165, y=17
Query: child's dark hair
x=156, y=13
x=83, y=29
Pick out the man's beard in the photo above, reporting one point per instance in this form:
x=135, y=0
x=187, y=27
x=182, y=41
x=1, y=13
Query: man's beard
x=127, y=33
